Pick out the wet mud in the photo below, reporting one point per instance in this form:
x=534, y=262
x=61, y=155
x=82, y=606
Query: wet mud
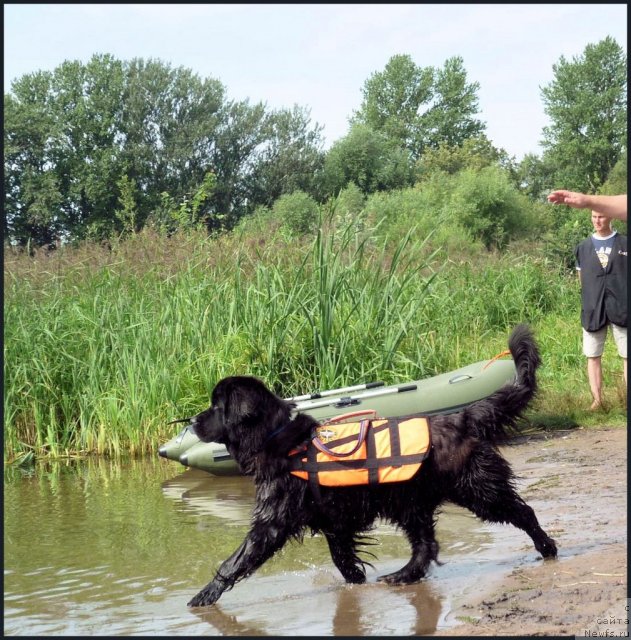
x=577, y=484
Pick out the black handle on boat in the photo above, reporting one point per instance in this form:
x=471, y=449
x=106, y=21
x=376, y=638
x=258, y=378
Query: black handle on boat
x=346, y=402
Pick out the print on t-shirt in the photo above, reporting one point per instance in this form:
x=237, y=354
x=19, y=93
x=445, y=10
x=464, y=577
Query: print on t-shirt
x=603, y=247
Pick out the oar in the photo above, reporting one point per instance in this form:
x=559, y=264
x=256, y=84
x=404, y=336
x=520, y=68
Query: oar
x=350, y=400
x=332, y=392
x=308, y=404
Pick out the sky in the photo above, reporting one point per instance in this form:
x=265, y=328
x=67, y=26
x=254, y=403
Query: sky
x=319, y=56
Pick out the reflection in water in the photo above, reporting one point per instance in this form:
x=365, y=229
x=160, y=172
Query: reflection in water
x=227, y=497
x=96, y=547
x=357, y=611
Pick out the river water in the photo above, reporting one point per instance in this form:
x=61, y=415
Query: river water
x=95, y=547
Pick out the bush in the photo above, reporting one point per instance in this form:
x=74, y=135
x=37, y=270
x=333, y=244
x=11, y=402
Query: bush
x=489, y=207
x=420, y=208
x=298, y=212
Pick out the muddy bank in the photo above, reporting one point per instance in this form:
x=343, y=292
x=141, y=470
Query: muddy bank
x=581, y=500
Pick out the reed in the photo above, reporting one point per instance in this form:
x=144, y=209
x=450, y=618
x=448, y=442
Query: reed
x=103, y=346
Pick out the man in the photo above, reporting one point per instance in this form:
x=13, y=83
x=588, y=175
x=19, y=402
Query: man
x=601, y=261
x=610, y=206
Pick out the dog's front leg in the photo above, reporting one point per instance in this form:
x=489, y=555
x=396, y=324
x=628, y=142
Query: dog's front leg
x=259, y=545
x=274, y=520
x=344, y=555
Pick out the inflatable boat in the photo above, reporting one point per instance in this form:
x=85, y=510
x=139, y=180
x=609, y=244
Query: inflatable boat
x=444, y=393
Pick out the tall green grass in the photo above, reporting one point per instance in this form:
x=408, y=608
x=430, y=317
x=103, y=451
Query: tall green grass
x=104, y=346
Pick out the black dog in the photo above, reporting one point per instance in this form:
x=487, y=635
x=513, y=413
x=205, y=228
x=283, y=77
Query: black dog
x=464, y=466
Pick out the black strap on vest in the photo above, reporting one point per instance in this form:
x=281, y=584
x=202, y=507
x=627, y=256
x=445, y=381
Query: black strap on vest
x=371, y=454
x=312, y=470
x=395, y=440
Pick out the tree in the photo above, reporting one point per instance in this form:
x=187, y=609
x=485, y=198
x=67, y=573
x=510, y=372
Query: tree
x=488, y=205
x=450, y=119
x=420, y=107
x=237, y=140
x=290, y=158
x=586, y=103
x=31, y=191
x=616, y=182
x=534, y=176
x=89, y=126
x=393, y=99
x=95, y=149
x=169, y=119
x=59, y=132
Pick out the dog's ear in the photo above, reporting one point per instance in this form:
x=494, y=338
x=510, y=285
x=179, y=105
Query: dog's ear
x=236, y=403
x=242, y=398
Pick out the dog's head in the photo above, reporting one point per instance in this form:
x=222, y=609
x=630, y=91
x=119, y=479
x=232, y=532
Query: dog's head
x=248, y=418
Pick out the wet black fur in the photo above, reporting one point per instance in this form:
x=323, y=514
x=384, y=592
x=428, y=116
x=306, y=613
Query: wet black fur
x=464, y=467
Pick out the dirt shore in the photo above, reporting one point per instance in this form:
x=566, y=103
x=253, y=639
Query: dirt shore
x=583, y=506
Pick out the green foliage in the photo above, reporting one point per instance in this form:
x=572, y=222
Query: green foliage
x=535, y=177
x=350, y=202
x=587, y=105
x=298, y=212
x=128, y=212
x=290, y=159
x=570, y=229
x=616, y=182
x=92, y=150
x=170, y=217
x=419, y=208
x=461, y=209
x=417, y=108
x=369, y=160
x=393, y=98
x=451, y=118
x=486, y=204
x=348, y=207
x=474, y=153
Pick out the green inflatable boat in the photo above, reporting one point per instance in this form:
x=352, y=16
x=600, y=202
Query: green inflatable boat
x=444, y=393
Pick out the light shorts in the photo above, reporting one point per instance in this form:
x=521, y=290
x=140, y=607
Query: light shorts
x=594, y=341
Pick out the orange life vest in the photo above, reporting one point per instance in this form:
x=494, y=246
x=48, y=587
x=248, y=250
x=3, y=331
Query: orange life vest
x=365, y=452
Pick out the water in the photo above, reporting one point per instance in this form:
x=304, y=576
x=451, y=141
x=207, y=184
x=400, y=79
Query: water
x=102, y=548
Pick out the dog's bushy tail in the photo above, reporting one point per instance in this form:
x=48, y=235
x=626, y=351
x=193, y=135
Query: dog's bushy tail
x=494, y=417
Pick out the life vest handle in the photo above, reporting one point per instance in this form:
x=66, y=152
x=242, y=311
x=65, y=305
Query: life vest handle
x=363, y=430
x=352, y=414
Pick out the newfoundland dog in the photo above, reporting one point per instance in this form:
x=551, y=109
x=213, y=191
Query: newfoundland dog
x=463, y=466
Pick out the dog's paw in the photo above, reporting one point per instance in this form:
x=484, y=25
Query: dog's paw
x=207, y=596
x=355, y=576
x=548, y=549
x=399, y=577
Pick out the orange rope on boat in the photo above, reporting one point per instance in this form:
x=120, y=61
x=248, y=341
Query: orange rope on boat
x=497, y=357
